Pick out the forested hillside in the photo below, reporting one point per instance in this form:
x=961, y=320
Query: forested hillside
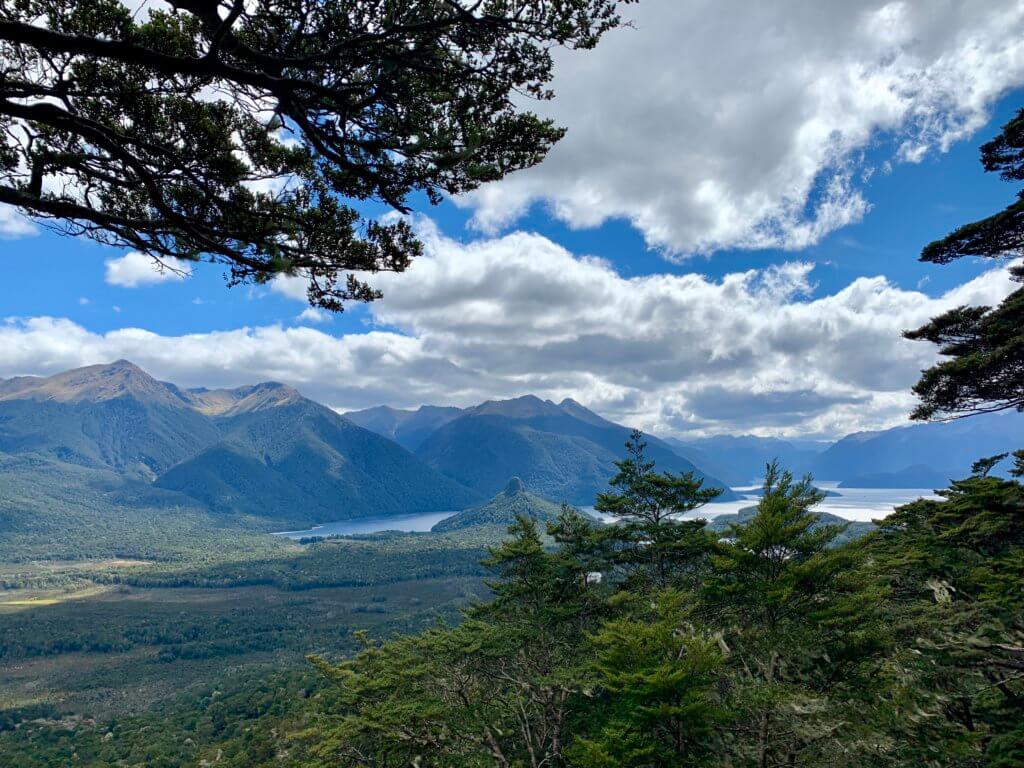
x=513, y=502
x=103, y=452
x=562, y=451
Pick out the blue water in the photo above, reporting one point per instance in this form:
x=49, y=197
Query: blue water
x=863, y=504
x=854, y=504
x=405, y=523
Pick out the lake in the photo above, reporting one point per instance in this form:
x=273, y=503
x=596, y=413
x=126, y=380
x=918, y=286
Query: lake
x=405, y=523
x=864, y=504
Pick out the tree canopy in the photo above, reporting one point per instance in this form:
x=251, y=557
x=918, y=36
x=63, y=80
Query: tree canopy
x=249, y=133
x=770, y=644
x=984, y=346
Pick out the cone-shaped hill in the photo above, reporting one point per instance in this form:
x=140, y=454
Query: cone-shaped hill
x=503, y=509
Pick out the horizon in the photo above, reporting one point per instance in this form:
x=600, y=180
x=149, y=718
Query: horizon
x=525, y=396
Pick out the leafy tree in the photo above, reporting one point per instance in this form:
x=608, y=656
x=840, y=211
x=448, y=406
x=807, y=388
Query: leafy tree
x=985, y=345
x=234, y=131
x=795, y=618
x=983, y=466
x=953, y=567
x=498, y=690
x=649, y=541
x=657, y=675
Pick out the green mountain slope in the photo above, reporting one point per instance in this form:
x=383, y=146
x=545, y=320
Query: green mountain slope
x=407, y=428
x=295, y=460
x=107, y=417
x=262, y=451
x=52, y=510
x=563, y=451
x=503, y=509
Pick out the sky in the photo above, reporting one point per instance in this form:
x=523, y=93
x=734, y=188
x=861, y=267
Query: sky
x=726, y=240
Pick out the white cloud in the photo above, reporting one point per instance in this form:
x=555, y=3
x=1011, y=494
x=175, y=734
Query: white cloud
x=314, y=315
x=734, y=124
x=13, y=224
x=135, y=269
x=503, y=317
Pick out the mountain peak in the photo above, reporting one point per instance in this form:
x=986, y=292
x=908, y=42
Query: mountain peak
x=96, y=383
x=515, y=486
x=524, y=407
x=256, y=397
x=581, y=412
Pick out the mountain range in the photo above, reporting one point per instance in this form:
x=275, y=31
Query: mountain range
x=562, y=451
x=264, y=451
x=911, y=456
x=112, y=436
x=946, y=450
x=741, y=459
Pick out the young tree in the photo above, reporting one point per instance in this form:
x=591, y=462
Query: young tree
x=984, y=345
x=649, y=540
x=245, y=133
x=657, y=677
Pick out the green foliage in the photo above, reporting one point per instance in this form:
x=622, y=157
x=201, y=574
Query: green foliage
x=954, y=567
x=317, y=103
x=797, y=621
x=650, y=542
x=496, y=690
x=772, y=644
x=985, y=346
x=658, y=679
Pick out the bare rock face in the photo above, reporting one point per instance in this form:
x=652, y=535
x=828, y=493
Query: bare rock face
x=515, y=486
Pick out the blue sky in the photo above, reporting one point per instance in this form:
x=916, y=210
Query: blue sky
x=820, y=160
x=914, y=203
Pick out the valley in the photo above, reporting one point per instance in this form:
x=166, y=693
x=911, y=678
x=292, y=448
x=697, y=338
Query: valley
x=168, y=552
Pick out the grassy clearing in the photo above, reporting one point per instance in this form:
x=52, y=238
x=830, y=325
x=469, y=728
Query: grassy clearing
x=24, y=599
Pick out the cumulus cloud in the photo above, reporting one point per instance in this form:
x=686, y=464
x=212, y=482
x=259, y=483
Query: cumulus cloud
x=715, y=124
x=502, y=317
x=314, y=315
x=135, y=269
x=13, y=224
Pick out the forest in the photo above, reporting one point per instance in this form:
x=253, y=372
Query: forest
x=149, y=619
x=652, y=642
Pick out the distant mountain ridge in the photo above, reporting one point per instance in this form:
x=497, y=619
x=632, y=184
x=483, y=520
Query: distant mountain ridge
x=914, y=456
x=741, y=459
x=561, y=450
x=267, y=452
x=947, y=449
x=262, y=450
x=407, y=428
